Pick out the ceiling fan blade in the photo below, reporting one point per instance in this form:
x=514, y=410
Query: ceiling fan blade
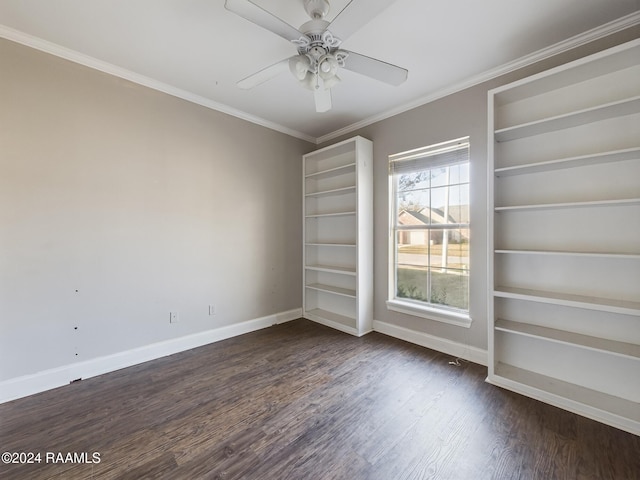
x=355, y=15
x=258, y=15
x=322, y=97
x=377, y=69
x=264, y=74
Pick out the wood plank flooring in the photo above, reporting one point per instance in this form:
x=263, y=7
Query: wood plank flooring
x=302, y=401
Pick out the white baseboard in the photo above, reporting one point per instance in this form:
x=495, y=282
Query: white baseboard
x=472, y=354
x=56, y=377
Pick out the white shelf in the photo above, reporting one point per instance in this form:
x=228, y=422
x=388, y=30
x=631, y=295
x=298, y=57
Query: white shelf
x=326, y=244
x=600, y=406
x=332, y=319
x=627, y=106
x=616, y=58
x=337, y=274
x=555, y=206
x=570, y=162
x=625, y=307
x=568, y=118
x=569, y=338
x=333, y=191
x=332, y=269
x=334, y=214
x=629, y=256
x=351, y=167
x=346, y=292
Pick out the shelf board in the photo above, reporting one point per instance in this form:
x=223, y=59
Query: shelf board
x=332, y=269
x=615, y=411
x=628, y=106
x=570, y=162
x=334, y=191
x=334, y=214
x=571, y=253
x=569, y=338
x=616, y=58
x=345, y=292
x=333, y=171
x=332, y=319
x=344, y=148
x=555, y=206
x=625, y=307
x=329, y=244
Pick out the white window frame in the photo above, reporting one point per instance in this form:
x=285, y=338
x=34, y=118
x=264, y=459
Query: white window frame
x=432, y=155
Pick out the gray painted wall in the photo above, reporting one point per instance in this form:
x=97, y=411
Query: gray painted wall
x=119, y=204
x=457, y=115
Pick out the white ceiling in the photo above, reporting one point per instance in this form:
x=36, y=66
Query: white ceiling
x=199, y=50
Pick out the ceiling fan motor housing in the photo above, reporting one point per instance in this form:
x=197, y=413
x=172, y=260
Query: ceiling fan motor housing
x=318, y=54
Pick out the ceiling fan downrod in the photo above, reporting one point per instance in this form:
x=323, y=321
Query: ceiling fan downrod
x=317, y=9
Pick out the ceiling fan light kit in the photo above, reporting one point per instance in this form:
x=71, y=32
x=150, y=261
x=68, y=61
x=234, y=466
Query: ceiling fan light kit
x=319, y=54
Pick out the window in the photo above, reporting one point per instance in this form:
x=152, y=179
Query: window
x=430, y=229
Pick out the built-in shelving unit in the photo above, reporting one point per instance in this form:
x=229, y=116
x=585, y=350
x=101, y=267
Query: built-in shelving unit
x=338, y=236
x=564, y=236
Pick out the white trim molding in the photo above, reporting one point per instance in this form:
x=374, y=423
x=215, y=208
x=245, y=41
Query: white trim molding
x=601, y=415
x=456, y=349
x=431, y=313
x=594, y=34
x=609, y=28
x=25, y=385
x=91, y=62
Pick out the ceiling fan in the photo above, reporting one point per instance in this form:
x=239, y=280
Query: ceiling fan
x=318, y=42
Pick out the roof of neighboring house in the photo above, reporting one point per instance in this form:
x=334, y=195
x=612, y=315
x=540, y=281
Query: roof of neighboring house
x=457, y=214
x=422, y=219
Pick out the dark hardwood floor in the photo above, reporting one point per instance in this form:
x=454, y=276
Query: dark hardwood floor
x=301, y=401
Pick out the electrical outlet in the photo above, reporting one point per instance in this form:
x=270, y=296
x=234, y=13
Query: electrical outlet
x=173, y=317
x=213, y=310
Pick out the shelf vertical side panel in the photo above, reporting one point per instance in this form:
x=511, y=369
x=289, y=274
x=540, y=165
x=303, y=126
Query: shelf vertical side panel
x=364, y=220
x=491, y=152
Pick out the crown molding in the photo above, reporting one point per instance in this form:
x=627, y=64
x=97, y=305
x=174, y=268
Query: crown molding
x=91, y=62
x=602, y=31
x=609, y=28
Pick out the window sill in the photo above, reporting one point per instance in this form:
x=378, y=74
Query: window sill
x=409, y=308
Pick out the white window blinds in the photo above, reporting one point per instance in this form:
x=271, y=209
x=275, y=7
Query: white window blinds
x=442, y=154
